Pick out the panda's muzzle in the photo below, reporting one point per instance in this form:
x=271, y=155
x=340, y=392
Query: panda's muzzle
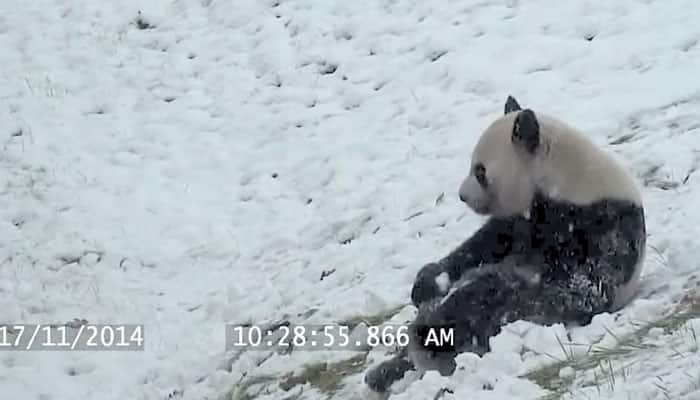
x=478, y=207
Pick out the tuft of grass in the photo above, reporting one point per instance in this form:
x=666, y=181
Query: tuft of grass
x=241, y=390
x=651, y=178
x=662, y=388
x=326, y=377
x=600, y=359
x=570, y=356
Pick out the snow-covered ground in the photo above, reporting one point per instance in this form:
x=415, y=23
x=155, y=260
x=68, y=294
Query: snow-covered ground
x=208, y=161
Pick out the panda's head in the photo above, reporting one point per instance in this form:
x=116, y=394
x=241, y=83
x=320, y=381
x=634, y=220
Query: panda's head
x=500, y=181
x=521, y=155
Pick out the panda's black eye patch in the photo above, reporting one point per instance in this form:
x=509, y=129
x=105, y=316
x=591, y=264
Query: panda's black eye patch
x=480, y=174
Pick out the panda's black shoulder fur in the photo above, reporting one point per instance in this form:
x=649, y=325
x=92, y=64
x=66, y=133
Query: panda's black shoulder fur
x=563, y=235
x=560, y=234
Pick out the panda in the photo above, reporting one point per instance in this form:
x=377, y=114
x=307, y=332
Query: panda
x=564, y=240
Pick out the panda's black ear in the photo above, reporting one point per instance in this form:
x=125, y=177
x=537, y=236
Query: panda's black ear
x=526, y=130
x=511, y=105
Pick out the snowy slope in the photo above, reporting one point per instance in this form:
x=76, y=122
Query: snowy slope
x=208, y=163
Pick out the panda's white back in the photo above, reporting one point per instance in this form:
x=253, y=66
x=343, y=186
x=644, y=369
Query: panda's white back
x=572, y=168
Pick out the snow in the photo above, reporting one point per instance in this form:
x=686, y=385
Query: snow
x=210, y=168
x=443, y=282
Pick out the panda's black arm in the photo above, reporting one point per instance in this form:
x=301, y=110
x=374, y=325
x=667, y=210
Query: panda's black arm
x=490, y=244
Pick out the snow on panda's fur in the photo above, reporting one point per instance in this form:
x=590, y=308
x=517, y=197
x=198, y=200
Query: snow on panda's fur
x=565, y=241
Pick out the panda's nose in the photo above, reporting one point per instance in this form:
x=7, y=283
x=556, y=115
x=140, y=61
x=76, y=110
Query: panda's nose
x=461, y=197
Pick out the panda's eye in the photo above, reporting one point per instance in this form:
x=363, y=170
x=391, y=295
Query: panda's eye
x=480, y=174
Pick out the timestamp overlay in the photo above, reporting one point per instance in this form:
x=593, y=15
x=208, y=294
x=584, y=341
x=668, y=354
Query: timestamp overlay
x=328, y=337
x=83, y=337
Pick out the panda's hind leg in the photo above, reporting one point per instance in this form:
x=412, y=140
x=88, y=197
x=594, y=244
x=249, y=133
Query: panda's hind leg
x=478, y=309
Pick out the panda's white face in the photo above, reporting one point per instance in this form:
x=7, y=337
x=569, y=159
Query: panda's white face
x=500, y=180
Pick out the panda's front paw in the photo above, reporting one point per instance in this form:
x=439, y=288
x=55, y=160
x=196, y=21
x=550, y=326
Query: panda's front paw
x=431, y=282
